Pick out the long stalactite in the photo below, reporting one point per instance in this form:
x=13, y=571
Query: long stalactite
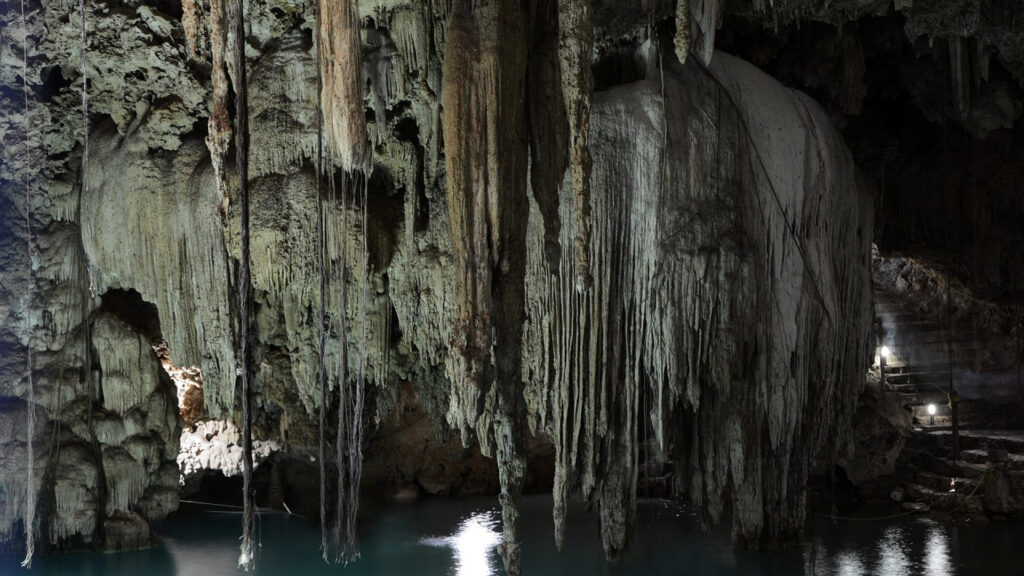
x=30, y=405
x=247, y=556
x=576, y=45
x=322, y=310
x=486, y=157
x=549, y=131
x=218, y=133
x=340, y=91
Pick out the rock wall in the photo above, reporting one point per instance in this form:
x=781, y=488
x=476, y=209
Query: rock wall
x=728, y=247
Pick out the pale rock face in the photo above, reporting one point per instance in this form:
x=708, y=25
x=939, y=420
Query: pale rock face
x=728, y=248
x=216, y=445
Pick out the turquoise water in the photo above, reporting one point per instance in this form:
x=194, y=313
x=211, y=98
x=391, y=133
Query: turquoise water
x=456, y=537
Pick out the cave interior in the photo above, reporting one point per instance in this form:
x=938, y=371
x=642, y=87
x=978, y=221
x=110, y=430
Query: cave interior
x=759, y=259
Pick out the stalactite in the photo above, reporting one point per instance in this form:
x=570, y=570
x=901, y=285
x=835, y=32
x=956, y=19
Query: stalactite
x=959, y=72
x=341, y=97
x=485, y=139
x=576, y=44
x=246, y=559
x=548, y=125
x=30, y=407
x=218, y=135
x=88, y=293
x=322, y=314
x=342, y=91
x=708, y=15
x=682, y=39
x=684, y=305
x=191, y=17
x=548, y=143
x=85, y=125
x=470, y=88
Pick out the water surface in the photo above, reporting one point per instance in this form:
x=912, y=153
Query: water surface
x=457, y=537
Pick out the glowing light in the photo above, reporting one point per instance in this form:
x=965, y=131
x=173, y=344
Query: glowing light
x=885, y=352
x=931, y=409
x=472, y=544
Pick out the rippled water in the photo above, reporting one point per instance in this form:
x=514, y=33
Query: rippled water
x=459, y=537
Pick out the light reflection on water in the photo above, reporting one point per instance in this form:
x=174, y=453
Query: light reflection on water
x=936, y=554
x=892, y=553
x=848, y=563
x=459, y=537
x=472, y=544
x=913, y=547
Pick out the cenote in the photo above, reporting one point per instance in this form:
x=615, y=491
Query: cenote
x=515, y=287
x=457, y=537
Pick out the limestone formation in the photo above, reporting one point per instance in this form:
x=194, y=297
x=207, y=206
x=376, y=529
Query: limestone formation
x=576, y=41
x=718, y=214
x=342, y=92
x=486, y=159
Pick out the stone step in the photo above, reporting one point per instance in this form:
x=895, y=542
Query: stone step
x=944, y=500
x=916, y=387
x=961, y=468
x=1010, y=440
x=904, y=376
x=942, y=483
x=974, y=456
x=1012, y=461
x=916, y=325
x=922, y=398
x=962, y=351
x=932, y=367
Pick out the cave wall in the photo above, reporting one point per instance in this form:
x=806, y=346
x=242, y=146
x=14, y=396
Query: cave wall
x=729, y=250
x=929, y=98
x=938, y=136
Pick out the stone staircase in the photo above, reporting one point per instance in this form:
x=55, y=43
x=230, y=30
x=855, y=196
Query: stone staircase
x=985, y=479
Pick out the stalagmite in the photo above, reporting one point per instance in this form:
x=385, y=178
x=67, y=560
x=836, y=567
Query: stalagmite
x=485, y=156
x=576, y=44
x=246, y=559
x=342, y=91
x=30, y=483
x=218, y=135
